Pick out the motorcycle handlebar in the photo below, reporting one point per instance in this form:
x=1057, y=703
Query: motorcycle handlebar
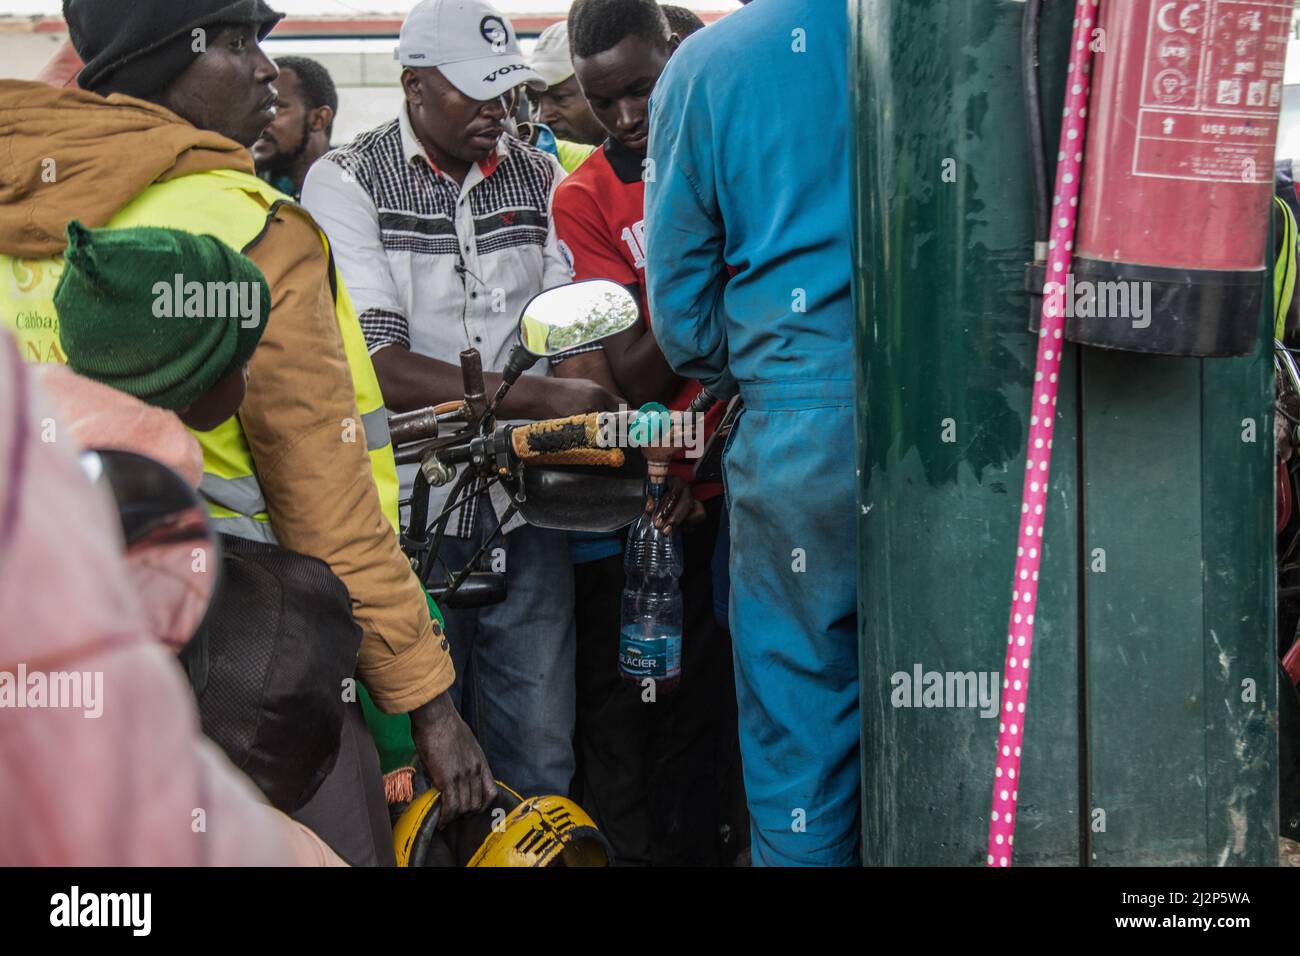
x=410, y=432
x=409, y=427
x=564, y=441
x=471, y=374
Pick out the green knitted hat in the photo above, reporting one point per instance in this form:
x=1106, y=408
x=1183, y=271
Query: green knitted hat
x=159, y=314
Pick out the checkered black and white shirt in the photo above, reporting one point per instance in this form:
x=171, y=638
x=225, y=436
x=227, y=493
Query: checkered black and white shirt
x=433, y=265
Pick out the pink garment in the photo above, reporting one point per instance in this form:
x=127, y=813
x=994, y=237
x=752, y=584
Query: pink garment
x=103, y=418
x=173, y=596
x=174, y=590
x=137, y=784
x=62, y=68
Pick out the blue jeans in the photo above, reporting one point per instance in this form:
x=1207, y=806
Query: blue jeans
x=515, y=660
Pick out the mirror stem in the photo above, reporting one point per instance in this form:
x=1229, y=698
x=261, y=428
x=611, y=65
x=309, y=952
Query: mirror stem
x=520, y=361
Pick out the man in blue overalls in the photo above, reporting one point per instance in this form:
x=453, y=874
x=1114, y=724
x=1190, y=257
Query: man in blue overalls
x=749, y=145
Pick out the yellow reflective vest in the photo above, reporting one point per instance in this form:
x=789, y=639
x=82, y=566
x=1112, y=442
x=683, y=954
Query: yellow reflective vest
x=1284, y=271
x=572, y=155
x=233, y=207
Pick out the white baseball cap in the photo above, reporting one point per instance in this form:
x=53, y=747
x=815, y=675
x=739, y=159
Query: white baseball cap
x=471, y=43
x=551, y=58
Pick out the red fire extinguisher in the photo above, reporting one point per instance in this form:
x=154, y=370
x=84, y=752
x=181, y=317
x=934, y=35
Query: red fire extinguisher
x=1173, y=221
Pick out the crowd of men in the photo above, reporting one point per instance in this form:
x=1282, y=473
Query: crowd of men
x=635, y=144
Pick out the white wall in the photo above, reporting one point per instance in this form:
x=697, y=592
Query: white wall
x=23, y=54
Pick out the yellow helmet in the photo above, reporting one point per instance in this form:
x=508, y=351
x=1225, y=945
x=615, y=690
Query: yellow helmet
x=512, y=831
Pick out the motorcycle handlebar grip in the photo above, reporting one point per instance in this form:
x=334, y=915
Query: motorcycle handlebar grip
x=419, y=425
x=606, y=457
x=564, y=441
x=471, y=371
x=471, y=374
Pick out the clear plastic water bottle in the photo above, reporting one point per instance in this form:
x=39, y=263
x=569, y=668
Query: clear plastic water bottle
x=650, y=635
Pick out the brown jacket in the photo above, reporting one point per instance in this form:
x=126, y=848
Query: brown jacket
x=319, y=491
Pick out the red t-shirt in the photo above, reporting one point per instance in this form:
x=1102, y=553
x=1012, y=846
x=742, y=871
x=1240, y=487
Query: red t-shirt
x=599, y=212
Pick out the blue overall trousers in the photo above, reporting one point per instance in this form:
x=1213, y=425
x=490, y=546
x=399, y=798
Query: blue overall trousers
x=748, y=273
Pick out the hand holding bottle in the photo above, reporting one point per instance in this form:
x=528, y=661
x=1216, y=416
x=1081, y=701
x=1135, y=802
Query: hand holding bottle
x=678, y=507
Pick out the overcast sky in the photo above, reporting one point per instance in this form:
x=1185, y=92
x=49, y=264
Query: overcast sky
x=362, y=7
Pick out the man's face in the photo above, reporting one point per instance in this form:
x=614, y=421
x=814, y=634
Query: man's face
x=288, y=136
x=456, y=125
x=218, y=403
x=564, y=109
x=228, y=89
x=618, y=84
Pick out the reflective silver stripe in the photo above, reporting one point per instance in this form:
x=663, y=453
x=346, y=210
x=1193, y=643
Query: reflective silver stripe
x=376, y=425
x=243, y=495
x=244, y=528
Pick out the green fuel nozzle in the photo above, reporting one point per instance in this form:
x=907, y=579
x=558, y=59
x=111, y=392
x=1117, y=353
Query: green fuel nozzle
x=652, y=432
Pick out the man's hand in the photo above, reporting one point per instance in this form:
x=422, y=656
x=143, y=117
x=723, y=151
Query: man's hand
x=577, y=396
x=563, y=397
x=453, y=758
x=677, y=506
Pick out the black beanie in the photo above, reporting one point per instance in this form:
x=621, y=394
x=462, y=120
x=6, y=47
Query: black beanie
x=139, y=47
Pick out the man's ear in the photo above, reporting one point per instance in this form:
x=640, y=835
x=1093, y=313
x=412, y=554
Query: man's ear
x=411, y=87
x=322, y=118
x=674, y=42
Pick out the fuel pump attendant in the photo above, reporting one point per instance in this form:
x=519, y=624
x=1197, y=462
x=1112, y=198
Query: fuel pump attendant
x=734, y=190
x=648, y=772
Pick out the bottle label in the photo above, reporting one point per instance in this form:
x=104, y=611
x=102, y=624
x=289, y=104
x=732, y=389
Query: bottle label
x=659, y=657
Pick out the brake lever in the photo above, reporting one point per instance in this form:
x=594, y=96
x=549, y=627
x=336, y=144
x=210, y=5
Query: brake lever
x=417, y=453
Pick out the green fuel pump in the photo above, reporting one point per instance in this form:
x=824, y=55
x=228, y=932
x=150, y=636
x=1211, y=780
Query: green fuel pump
x=1151, y=736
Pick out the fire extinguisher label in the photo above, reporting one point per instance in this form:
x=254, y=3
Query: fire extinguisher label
x=1212, y=90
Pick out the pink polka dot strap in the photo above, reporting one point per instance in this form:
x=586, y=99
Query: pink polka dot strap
x=1029, y=546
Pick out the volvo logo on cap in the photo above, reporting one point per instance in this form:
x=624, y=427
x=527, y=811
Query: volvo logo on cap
x=494, y=31
x=497, y=74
